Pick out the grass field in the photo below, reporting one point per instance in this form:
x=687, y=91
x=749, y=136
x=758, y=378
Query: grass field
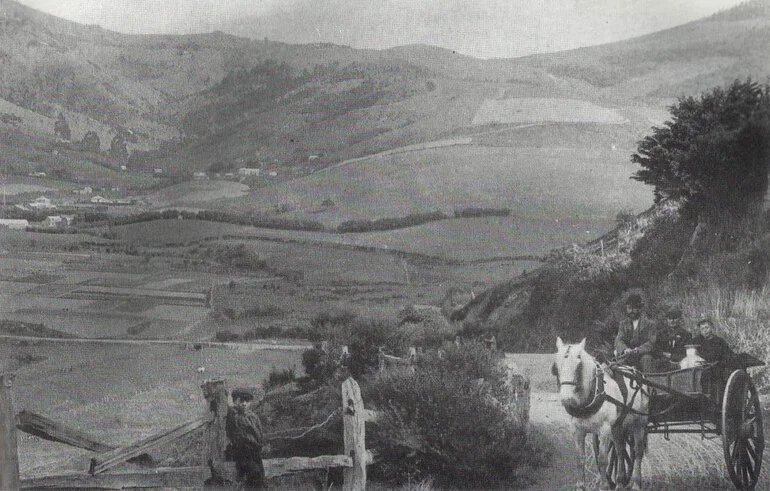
x=542, y=109
x=548, y=182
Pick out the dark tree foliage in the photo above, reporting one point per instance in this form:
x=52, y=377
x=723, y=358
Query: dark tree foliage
x=118, y=147
x=91, y=142
x=713, y=153
x=61, y=127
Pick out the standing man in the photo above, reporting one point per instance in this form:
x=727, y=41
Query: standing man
x=671, y=340
x=244, y=430
x=636, y=335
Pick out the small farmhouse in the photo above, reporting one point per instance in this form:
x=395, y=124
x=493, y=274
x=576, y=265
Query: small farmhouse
x=13, y=223
x=42, y=203
x=248, y=171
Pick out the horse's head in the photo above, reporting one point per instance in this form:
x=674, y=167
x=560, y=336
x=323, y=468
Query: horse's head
x=572, y=368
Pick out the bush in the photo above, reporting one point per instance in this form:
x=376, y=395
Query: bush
x=389, y=223
x=225, y=336
x=261, y=333
x=442, y=423
x=278, y=377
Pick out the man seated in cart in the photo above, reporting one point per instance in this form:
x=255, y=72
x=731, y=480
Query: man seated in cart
x=670, y=341
x=711, y=347
x=636, y=335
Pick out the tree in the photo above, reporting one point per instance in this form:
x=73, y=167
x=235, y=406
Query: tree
x=713, y=154
x=118, y=146
x=91, y=142
x=61, y=127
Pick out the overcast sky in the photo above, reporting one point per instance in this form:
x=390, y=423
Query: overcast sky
x=481, y=28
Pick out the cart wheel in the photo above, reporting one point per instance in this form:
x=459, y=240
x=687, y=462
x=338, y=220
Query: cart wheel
x=742, y=437
x=629, y=457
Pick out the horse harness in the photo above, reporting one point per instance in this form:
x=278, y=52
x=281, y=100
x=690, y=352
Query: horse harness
x=618, y=373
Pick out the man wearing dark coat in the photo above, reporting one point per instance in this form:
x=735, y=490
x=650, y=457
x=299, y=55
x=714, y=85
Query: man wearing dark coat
x=671, y=340
x=711, y=347
x=244, y=431
x=636, y=335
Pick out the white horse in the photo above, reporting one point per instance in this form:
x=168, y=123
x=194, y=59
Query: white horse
x=610, y=407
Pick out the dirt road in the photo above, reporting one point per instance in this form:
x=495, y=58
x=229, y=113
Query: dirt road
x=685, y=462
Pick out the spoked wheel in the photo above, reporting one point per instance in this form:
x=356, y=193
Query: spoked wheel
x=613, y=469
x=742, y=438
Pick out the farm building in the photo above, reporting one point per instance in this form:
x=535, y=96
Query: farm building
x=248, y=171
x=42, y=203
x=13, y=224
x=58, y=221
x=200, y=176
x=100, y=200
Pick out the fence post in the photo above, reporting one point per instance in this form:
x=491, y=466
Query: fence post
x=354, y=427
x=215, y=392
x=9, y=455
x=381, y=359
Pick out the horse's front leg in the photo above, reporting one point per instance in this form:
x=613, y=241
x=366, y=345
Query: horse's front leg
x=640, y=447
x=602, y=458
x=619, y=439
x=579, y=435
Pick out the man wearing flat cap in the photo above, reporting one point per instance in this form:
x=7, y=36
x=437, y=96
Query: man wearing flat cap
x=244, y=430
x=636, y=334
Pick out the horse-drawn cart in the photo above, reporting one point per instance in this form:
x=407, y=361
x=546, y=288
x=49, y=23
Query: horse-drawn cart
x=710, y=400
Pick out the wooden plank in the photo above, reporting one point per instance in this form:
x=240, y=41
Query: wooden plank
x=354, y=436
x=45, y=428
x=279, y=467
x=215, y=393
x=120, y=455
x=9, y=456
x=178, y=477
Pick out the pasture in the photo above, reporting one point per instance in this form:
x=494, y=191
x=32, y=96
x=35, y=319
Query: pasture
x=547, y=182
x=544, y=109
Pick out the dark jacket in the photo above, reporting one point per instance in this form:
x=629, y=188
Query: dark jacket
x=643, y=337
x=713, y=349
x=244, y=430
x=672, y=341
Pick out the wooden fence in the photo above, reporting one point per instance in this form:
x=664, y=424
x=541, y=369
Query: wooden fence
x=354, y=460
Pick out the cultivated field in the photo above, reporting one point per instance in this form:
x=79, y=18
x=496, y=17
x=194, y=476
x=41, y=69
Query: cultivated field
x=532, y=182
x=542, y=109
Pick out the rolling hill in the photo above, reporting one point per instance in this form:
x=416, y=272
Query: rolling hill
x=217, y=102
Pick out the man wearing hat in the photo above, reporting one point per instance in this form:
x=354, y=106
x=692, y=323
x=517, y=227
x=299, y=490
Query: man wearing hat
x=244, y=430
x=671, y=340
x=636, y=335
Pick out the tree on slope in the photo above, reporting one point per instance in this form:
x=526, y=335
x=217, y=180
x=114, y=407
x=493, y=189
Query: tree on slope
x=713, y=154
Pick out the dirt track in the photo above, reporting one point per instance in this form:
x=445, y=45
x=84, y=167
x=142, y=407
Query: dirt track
x=683, y=463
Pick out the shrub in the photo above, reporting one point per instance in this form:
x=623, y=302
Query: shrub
x=443, y=423
x=225, y=336
x=278, y=377
x=262, y=332
x=389, y=223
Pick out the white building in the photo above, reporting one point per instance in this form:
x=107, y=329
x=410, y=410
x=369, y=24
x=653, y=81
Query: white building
x=42, y=203
x=200, y=176
x=13, y=224
x=248, y=171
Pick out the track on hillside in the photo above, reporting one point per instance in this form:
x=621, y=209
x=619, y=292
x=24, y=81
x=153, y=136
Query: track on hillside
x=685, y=462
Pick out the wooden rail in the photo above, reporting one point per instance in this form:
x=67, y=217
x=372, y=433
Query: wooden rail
x=354, y=460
